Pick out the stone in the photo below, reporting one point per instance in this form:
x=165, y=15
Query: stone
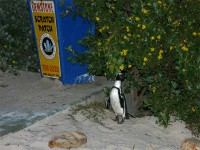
x=68, y=140
x=135, y=98
x=191, y=144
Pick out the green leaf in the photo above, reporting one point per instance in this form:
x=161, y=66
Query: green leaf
x=174, y=84
x=69, y=58
x=108, y=5
x=74, y=61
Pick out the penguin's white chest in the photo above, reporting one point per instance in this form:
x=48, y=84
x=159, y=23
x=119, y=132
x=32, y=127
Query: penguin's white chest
x=115, y=102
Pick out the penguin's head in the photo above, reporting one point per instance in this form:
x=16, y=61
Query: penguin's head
x=121, y=76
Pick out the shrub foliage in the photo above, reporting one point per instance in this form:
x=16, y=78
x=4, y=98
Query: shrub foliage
x=17, y=49
x=160, y=38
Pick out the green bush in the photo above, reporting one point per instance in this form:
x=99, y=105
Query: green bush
x=159, y=38
x=17, y=49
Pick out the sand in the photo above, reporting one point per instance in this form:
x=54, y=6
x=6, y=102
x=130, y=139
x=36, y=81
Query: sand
x=30, y=93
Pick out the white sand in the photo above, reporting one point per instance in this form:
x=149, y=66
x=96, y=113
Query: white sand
x=135, y=133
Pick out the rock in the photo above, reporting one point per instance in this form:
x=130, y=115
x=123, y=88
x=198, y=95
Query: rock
x=134, y=99
x=68, y=140
x=191, y=144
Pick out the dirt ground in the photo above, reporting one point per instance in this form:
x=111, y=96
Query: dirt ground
x=28, y=97
x=44, y=106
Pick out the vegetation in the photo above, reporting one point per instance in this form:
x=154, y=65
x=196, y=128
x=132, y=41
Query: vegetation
x=159, y=38
x=94, y=111
x=17, y=49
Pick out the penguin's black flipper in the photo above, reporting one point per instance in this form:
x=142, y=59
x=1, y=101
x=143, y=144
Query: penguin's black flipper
x=108, y=103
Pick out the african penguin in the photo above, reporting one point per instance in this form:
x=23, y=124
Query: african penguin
x=117, y=99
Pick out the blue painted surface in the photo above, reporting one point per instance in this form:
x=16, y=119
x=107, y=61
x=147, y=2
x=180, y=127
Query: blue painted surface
x=69, y=32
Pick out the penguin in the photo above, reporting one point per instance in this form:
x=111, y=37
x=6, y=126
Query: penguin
x=117, y=99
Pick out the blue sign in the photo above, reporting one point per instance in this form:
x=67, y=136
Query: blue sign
x=69, y=32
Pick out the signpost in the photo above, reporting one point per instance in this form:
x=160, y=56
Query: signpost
x=53, y=34
x=43, y=15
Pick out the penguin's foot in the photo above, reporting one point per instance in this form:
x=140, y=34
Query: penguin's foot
x=120, y=122
x=127, y=116
x=116, y=118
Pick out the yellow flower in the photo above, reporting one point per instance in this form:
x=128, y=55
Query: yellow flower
x=121, y=67
x=130, y=18
x=97, y=18
x=149, y=4
x=139, y=25
x=145, y=59
x=152, y=49
x=159, y=57
x=99, y=43
x=129, y=34
x=194, y=34
x=144, y=11
x=137, y=18
x=154, y=89
x=158, y=37
x=152, y=38
x=13, y=61
x=171, y=47
x=184, y=48
x=104, y=28
x=124, y=52
x=101, y=30
x=125, y=37
x=129, y=66
x=193, y=109
x=183, y=70
x=160, y=52
x=127, y=29
x=113, y=8
x=143, y=27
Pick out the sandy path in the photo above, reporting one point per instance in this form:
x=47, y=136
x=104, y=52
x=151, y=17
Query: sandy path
x=29, y=92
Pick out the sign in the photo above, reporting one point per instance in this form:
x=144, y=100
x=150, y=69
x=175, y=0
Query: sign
x=44, y=21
